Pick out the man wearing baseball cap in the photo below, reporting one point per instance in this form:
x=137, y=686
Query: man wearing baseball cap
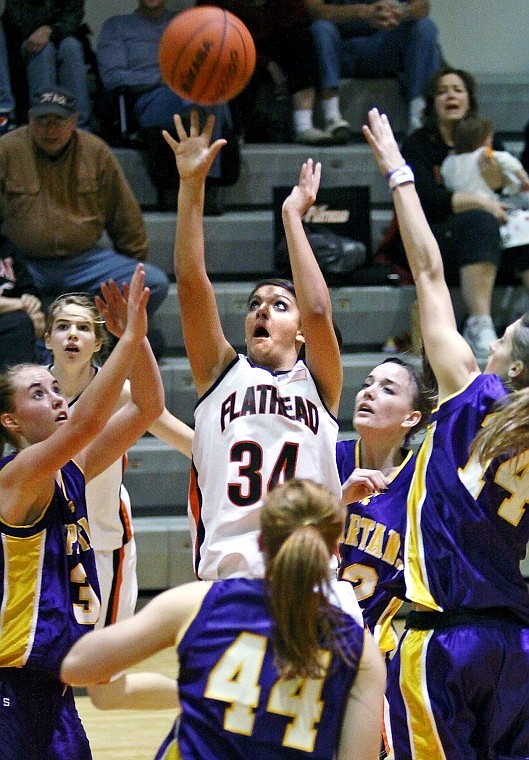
x=61, y=188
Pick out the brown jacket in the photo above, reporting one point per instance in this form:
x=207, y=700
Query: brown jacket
x=62, y=206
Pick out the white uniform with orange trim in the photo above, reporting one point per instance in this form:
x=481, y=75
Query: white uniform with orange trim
x=253, y=429
x=112, y=538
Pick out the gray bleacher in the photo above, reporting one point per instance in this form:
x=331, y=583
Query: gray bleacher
x=239, y=249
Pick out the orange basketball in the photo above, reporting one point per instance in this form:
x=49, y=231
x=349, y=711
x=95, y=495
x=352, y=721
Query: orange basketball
x=206, y=55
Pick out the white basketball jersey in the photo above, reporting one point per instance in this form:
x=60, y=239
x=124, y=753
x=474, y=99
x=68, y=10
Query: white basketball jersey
x=253, y=429
x=108, y=506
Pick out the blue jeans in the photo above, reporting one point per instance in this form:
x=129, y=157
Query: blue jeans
x=410, y=52
x=63, y=64
x=157, y=108
x=7, y=103
x=85, y=272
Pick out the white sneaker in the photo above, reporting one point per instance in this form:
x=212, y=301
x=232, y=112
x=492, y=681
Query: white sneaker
x=339, y=130
x=479, y=333
x=313, y=136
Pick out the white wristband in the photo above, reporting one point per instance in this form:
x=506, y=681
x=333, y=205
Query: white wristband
x=400, y=176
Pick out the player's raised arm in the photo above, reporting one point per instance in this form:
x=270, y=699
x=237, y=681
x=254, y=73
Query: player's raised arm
x=448, y=353
x=206, y=346
x=146, y=401
x=28, y=480
x=312, y=294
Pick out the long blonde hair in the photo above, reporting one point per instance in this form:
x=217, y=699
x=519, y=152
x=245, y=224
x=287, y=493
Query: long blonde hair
x=301, y=523
x=507, y=431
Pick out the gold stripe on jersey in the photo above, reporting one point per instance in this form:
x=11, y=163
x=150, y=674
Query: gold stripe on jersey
x=171, y=752
x=385, y=634
x=414, y=566
x=24, y=559
x=424, y=739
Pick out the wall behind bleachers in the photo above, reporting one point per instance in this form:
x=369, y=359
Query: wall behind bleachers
x=480, y=35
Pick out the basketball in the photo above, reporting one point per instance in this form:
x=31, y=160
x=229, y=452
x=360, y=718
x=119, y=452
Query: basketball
x=206, y=55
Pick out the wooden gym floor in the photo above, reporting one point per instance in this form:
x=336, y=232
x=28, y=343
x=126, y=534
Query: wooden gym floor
x=129, y=734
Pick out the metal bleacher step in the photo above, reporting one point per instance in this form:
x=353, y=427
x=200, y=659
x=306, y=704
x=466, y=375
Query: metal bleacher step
x=265, y=165
x=236, y=243
x=164, y=557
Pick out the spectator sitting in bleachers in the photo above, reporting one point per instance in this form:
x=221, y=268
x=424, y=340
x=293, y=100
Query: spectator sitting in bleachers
x=49, y=39
x=70, y=189
x=466, y=225
x=373, y=39
x=466, y=169
x=476, y=167
x=7, y=102
x=127, y=59
x=21, y=314
x=286, y=53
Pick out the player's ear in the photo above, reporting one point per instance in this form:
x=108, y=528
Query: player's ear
x=9, y=421
x=300, y=339
x=516, y=370
x=412, y=419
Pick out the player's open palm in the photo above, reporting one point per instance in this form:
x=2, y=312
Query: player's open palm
x=304, y=194
x=126, y=308
x=193, y=152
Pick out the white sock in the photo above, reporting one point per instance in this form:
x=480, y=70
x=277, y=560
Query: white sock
x=302, y=120
x=331, y=109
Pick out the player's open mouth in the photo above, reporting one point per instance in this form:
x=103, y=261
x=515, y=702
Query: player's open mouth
x=72, y=349
x=61, y=417
x=365, y=408
x=261, y=332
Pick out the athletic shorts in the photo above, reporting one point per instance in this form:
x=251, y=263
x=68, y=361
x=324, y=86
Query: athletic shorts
x=461, y=693
x=169, y=749
x=38, y=718
x=118, y=583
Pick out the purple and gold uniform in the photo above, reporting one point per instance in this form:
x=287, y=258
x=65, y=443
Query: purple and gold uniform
x=234, y=704
x=371, y=552
x=467, y=531
x=48, y=599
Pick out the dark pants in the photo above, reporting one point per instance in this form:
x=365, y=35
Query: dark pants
x=17, y=339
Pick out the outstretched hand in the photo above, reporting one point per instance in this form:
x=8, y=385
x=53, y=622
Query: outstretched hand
x=380, y=137
x=304, y=194
x=193, y=153
x=125, y=309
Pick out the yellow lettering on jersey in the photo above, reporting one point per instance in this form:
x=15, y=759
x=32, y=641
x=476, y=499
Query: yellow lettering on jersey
x=83, y=534
x=353, y=530
x=471, y=475
x=364, y=579
x=376, y=542
x=234, y=679
x=367, y=525
x=86, y=610
x=77, y=534
x=392, y=550
x=71, y=538
x=513, y=475
x=299, y=698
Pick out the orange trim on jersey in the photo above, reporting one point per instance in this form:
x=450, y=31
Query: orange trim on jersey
x=128, y=530
x=194, y=510
x=117, y=583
